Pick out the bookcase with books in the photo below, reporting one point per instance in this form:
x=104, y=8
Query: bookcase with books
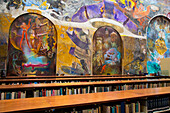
x=82, y=76
x=129, y=101
x=66, y=80
x=58, y=89
x=72, y=76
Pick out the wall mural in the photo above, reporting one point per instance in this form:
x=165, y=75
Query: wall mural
x=107, y=51
x=78, y=52
x=134, y=55
x=32, y=45
x=158, y=42
x=76, y=23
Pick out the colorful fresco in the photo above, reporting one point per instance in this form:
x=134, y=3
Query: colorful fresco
x=75, y=47
x=76, y=23
x=107, y=50
x=135, y=58
x=158, y=42
x=32, y=46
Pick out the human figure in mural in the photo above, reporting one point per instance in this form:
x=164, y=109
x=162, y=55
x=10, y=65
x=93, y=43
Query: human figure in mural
x=107, y=52
x=25, y=28
x=111, y=56
x=32, y=38
x=16, y=3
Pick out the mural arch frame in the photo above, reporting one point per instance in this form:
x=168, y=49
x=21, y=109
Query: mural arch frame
x=107, y=64
x=38, y=35
x=158, y=42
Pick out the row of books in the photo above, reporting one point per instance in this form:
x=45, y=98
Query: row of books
x=12, y=95
x=43, y=92
x=146, y=105
x=157, y=104
x=128, y=87
x=59, y=81
x=46, y=93
x=143, y=106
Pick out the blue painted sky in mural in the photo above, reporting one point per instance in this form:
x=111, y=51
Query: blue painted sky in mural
x=42, y=4
x=32, y=57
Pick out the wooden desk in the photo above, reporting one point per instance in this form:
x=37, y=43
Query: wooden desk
x=41, y=103
x=27, y=104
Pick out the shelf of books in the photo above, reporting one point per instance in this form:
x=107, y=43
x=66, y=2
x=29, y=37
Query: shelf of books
x=78, y=76
x=70, y=76
x=129, y=101
x=57, y=89
x=65, y=80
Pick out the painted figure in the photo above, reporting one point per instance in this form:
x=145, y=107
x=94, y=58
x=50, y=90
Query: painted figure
x=24, y=32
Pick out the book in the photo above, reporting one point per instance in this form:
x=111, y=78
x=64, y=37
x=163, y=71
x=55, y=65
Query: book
x=55, y=92
x=126, y=109
x=113, y=109
x=8, y=95
x=13, y=94
x=143, y=105
x=106, y=109
x=133, y=107
x=137, y=107
x=34, y=94
x=19, y=94
x=61, y=91
x=22, y=94
x=122, y=107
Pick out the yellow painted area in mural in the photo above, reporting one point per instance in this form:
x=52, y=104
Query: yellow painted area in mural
x=5, y=21
x=133, y=59
x=44, y=4
x=130, y=3
x=34, y=11
x=64, y=58
x=160, y=46
x=128, y=51
x=3, y=50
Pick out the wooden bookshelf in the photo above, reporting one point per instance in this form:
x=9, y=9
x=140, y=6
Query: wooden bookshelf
x=61, y=102
x=65, y=76
x=80, y=84
x=87, y=79
x=79, y=76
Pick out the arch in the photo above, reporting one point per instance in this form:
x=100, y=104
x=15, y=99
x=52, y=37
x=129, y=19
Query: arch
x=158, y=42
x=32, y=45
x=107, y=51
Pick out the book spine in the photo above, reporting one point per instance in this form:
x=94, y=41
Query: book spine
x=122, y=107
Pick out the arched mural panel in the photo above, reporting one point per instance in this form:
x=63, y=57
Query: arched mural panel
x=32, y=45
x=158, y=42
x=107, y=51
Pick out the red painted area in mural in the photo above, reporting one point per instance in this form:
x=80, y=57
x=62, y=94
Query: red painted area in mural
x=25, y=29
x=34, y=65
